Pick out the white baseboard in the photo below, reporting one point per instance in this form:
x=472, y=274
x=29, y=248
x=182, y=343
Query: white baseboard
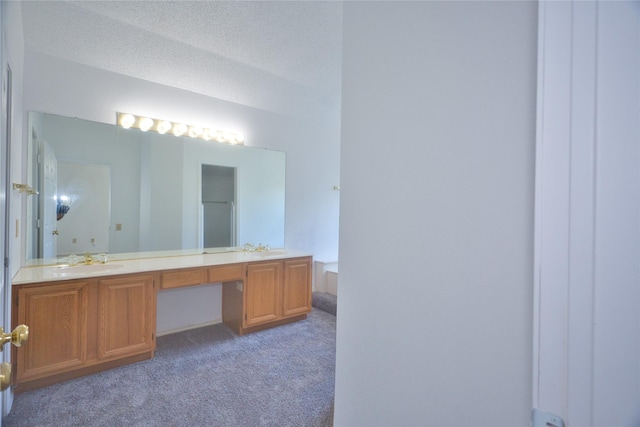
x=186, y=328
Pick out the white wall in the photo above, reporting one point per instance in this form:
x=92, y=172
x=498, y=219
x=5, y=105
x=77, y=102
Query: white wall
x=436, y=222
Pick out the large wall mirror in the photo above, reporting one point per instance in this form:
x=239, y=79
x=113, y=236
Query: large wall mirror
x=102, y=188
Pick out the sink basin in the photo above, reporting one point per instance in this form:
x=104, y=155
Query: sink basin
x=75, y=270
x=270, y=253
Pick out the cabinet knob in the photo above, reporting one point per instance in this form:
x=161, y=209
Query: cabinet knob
x=19, y=335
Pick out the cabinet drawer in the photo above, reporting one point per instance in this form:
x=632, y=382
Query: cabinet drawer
x=226, y=273
x=177, y=279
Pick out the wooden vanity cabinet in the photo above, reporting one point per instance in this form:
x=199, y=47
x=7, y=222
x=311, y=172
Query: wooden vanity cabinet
x=126, y=322
x=296, y=287
x=262, y=293
x=78, y=327
x=201, y=275
x=273, y=293
x=82, y=326
x=57, y=315
x=181, y=278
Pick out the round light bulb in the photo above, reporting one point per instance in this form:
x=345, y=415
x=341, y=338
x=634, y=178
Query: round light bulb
x=195, y=131
x=127, y=120
x=208, y=134
x=179, y=129
x=164, y=126
x=145, y=124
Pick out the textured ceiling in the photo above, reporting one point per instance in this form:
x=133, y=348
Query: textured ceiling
x=278, y=56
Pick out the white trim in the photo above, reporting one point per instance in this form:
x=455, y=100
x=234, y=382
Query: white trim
x=188, y=328
x=586, y=275
x=552, y=207
x=537, y=217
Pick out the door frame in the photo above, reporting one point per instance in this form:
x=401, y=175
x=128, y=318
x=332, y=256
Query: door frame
x=586, y=342
x=6, y=397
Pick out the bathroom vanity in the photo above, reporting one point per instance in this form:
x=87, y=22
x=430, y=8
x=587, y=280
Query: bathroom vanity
x=87, y=318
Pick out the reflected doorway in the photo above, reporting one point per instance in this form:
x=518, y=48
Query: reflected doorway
x=47, y=209
x=83, y=208
x=218, y=206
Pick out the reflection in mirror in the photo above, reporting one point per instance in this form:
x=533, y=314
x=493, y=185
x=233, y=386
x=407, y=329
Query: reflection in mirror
x=218, y=206
x=83, y=207
x=103, y=188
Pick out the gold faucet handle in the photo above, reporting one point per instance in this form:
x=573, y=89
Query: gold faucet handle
x=19, y=335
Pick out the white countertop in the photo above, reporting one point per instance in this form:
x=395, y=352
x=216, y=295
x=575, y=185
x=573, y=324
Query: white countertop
x=49, y=273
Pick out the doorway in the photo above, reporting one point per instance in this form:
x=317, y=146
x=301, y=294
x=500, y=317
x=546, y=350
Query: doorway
x=218, y=206
x=48, y=187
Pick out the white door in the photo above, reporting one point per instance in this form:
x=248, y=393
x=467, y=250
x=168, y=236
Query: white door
x=587, y=255
x=4, y=209
x=6, y=197
x=49, y=201
x=5, y=224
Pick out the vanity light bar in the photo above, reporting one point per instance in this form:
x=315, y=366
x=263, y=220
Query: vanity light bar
x=127, y=121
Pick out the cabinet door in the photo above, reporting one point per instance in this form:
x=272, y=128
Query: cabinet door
x=296, y=289
x=262, y=290
x=57, y=319
x=126, y=320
